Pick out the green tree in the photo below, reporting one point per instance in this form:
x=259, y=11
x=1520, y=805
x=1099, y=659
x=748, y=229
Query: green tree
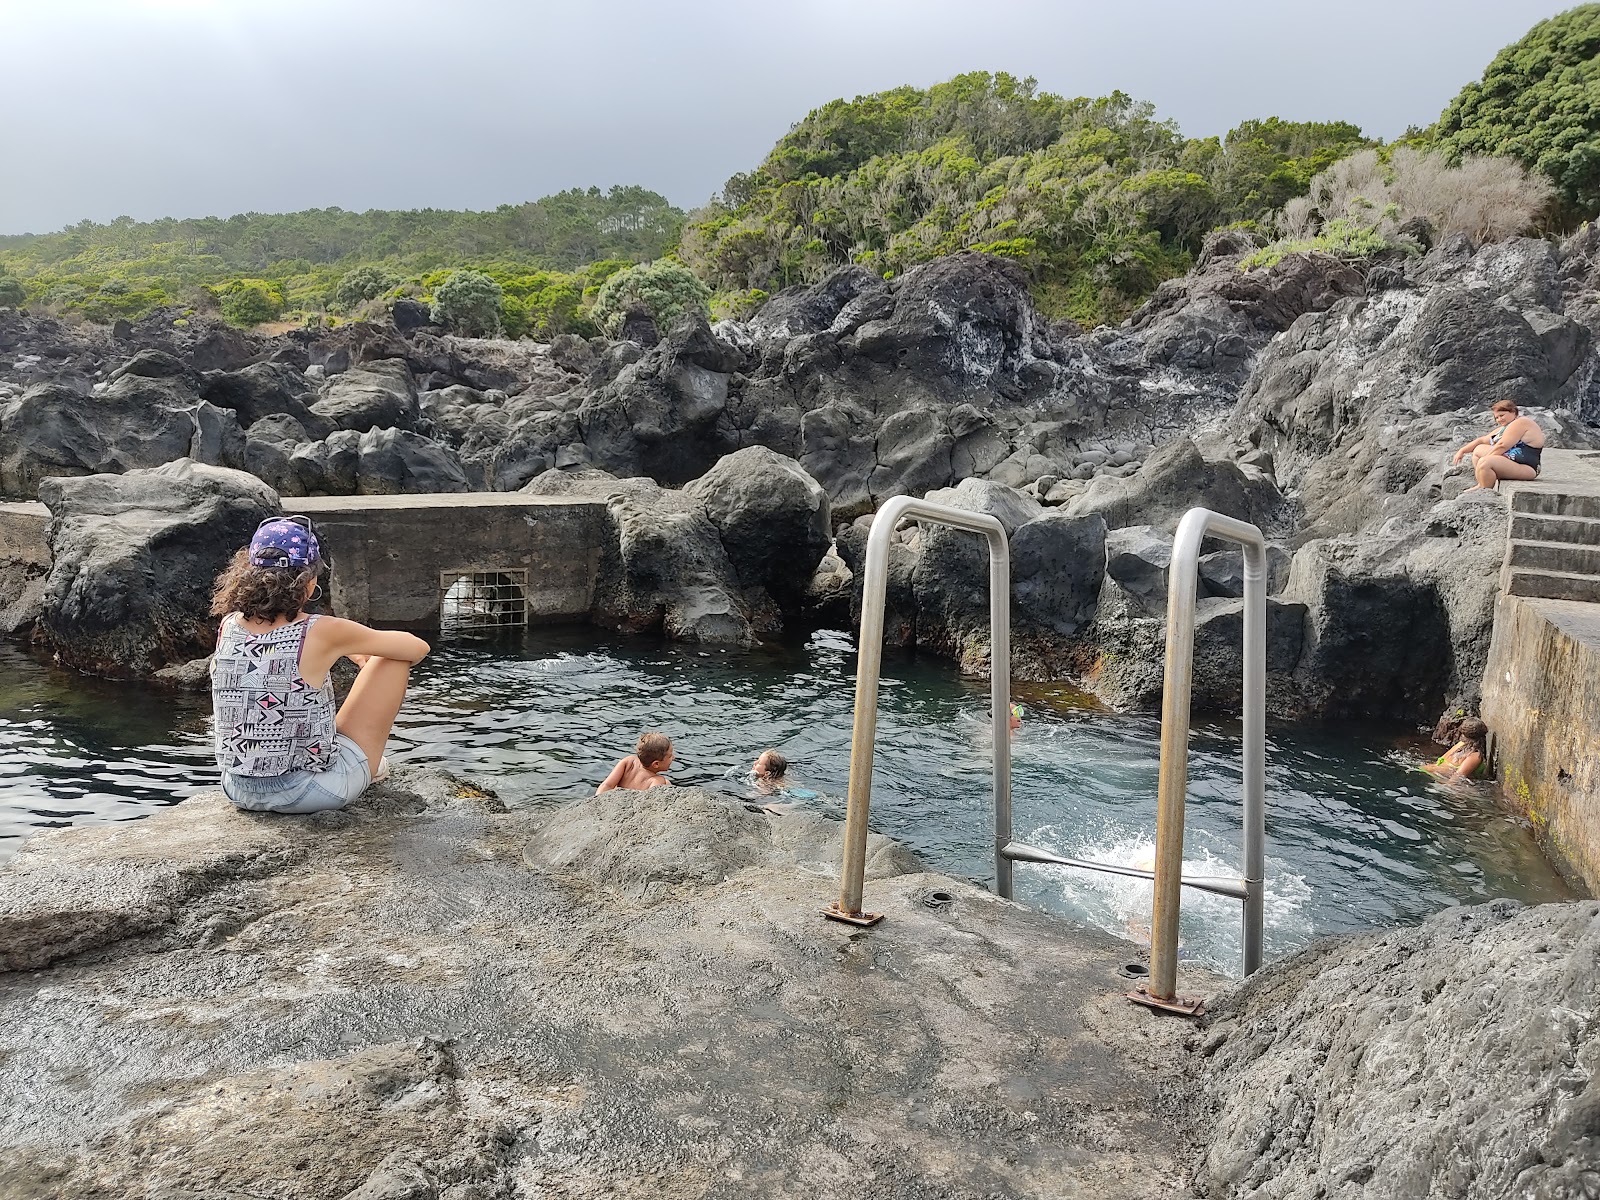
x=662, y=289
x=469, y=303
x=12, y=292
x=1539, y=102
x=250, y=301
x=360, y=285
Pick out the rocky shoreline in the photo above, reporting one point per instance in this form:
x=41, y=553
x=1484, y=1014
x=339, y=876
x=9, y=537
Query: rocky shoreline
x=636, y=995
x=1316, y=398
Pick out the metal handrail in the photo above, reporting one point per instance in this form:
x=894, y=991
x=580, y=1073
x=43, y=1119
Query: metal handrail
x=869, y=660
x=1196, y=525
x=1182, y=576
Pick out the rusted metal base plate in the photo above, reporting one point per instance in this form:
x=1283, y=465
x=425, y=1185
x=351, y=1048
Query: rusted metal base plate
x=1182, y=1006
x=835, y=913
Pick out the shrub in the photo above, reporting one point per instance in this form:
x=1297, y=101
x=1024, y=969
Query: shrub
x=664, y=289
x=1357, y=206
x=469, y=303
x=1487, y=199
x=11, y=292
x=249, y=301
x=1539, y=103
x=363, y=283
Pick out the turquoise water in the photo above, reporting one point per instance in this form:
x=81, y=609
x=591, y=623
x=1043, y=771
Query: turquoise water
x=1356, y=838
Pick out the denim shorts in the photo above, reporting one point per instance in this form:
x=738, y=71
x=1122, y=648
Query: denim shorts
x=304, y=791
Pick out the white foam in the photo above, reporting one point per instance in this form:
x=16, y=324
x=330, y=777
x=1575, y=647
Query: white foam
x=1211, y=926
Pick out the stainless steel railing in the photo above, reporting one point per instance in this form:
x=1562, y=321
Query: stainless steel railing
x=869, y=661
x=1182, y=576
x=1196, y=525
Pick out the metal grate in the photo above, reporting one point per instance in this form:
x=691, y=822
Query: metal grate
x=479, y=602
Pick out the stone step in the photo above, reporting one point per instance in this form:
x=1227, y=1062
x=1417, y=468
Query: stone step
x=1555, y=504
x=1565, y=557
x=1551, y=585
x=1532, y=527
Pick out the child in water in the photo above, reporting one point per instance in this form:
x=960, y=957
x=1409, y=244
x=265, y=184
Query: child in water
x=769, y=769
x=644, y=768
x=770, y=772
x=1465, y=759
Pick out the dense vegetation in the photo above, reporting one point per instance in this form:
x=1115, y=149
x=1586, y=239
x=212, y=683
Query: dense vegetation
x=545, y=255
x=1097, y=199
x=1539, y=102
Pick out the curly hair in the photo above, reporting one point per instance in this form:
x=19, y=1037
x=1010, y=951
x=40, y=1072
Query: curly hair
x=260, y=593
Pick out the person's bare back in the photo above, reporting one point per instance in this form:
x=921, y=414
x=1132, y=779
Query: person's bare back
x=643, y=768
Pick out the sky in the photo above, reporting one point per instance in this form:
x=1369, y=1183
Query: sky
x=186, y=108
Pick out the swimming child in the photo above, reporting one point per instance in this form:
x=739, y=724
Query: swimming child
x=1014, y=718
x=770, y=773
x=1465, y=759
x=652, y=755
x=769, y=769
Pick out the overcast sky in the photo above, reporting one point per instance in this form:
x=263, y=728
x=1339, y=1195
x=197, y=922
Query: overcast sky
x=211, y=107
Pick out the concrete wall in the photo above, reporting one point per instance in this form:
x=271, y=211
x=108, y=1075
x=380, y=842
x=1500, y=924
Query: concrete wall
x=1541, y=699
x=389, y=552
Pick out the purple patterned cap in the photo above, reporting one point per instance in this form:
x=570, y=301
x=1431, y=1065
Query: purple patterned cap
x=284, y=542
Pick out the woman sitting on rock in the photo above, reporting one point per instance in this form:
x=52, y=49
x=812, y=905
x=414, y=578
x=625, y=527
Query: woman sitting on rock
x=1511, y=453
x=279, y=744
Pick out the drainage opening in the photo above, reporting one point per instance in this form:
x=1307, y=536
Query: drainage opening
x=480, y=602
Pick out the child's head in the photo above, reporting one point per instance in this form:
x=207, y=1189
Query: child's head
x=1474, y=731
x=770, y=765
x=654, y=751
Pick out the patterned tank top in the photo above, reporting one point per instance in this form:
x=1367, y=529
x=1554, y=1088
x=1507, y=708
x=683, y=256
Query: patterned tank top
x=269, y=721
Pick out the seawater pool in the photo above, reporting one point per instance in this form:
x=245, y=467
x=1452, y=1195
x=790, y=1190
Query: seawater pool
x=1356, y=837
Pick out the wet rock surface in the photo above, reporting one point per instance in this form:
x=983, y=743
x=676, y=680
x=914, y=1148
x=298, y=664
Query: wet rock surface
x=632, y=995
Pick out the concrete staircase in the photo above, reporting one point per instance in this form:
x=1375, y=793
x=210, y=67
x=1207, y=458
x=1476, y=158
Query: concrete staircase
x=1554, y=548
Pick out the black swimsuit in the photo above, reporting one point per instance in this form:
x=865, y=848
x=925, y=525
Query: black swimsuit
x=1525, y=454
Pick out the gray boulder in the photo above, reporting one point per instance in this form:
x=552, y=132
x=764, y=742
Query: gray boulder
x=1175, y=479
x=1222, y=571
x=666, y=416
x=376, y=395
x=133, y=560
x=1057, y=563
x=1139, y=557
x=773, y=518
x=139, y=421
x=667, y=571
x=263, y=390
x=584, y=481
x=1400, y=621
x=378, y=462
x=813, y=308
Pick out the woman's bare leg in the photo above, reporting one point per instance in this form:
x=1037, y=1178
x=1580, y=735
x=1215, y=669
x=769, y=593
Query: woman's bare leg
x=368, y=712
x=1495, y=467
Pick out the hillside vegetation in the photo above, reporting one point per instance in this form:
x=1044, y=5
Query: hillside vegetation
x=1097, y=199
x=546, y=255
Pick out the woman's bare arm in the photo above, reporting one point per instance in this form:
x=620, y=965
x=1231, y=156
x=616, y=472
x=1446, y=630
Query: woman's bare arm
x=332, y=638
